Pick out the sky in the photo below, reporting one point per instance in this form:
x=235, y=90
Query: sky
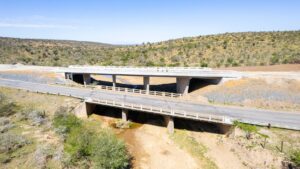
x=138, y=21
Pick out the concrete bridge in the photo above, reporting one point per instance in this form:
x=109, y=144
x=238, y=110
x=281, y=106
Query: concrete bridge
x=183, y=75
x=169, y=108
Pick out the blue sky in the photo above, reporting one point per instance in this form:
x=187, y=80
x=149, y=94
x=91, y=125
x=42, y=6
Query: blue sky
x=137, y=21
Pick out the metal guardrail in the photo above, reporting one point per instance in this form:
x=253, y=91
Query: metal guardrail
x=140, y=67
x=156, y=110
x=130, y=90
x=139, y=91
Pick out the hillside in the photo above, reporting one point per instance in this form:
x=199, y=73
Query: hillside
x=223, y=50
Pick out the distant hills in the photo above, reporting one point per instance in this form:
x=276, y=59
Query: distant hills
x=223, y=50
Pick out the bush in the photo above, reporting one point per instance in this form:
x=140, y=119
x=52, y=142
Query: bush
x=5, y=124
x=41, y=155
x=11, y=142
x=7, y=107
x=79, y=144
x=64, y=121
x=109, y=152
x=84, y=146
x=36, y=118
x=246, y=127
x=295, y=157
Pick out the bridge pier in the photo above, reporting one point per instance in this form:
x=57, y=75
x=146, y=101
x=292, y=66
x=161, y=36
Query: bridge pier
x=114, y=81
x=69, y=76
x=170, y=124
x=146, y=80
x=86, y=79
x=182, y=85
x=124, y=115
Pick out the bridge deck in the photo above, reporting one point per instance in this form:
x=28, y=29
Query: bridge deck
x=152, y=71
x=281, y=119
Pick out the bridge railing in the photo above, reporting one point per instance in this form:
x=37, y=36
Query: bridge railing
x=139, y=91
x=150, y=109
x=158, y=110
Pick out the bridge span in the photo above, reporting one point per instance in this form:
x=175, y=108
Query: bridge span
x=169, y=108
x=183, y=75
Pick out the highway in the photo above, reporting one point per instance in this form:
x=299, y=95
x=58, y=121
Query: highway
x=290, y=120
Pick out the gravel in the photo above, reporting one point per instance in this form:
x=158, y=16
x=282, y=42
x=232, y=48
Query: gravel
x=254, y=90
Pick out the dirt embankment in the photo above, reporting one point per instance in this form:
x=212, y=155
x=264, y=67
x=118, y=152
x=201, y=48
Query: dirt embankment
x=274, y=68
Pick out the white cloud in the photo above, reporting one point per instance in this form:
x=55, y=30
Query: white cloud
x=37, y=26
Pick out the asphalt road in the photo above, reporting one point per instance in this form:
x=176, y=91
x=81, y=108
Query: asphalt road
x=290, y=120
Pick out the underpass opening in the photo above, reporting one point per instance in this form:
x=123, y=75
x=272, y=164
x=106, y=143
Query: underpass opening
x=163, y=84
x=198, y=83
x=139, y=118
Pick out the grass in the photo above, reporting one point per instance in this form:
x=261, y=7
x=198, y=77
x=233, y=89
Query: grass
x=195, y=148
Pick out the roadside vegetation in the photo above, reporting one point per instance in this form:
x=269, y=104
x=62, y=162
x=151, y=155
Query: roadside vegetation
x=285, y=143
x=86, y=147
x=33, y=137
x=223, y=50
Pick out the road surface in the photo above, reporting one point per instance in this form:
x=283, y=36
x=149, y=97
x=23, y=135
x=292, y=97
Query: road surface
x=290, y=120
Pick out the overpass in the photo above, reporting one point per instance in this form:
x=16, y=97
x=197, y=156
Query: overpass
x=183, y=75
x=169, y=108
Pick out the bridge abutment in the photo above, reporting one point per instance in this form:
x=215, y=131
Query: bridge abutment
x=182, y=85
x=84, y=109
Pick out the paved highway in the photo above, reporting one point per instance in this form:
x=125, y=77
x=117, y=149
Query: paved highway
x=282, y=119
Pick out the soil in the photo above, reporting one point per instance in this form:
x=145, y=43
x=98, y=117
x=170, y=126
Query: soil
x=285, y=67
x=151, y=146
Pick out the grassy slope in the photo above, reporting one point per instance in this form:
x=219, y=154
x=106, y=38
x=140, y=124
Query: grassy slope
x=223, y=50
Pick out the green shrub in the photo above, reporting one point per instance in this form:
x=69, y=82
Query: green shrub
x=65, y=121
x=7, y=107
x=246, y=127
x=295, y=157
x=85, y=146
x=79, y=144
x=109, y=152
x=274, y=59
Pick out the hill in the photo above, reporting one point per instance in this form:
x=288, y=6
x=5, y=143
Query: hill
x=222, y=50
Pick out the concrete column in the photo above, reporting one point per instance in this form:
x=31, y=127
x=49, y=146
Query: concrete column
x=182, y=85
x=114, y=81
x=146, y=80
x=170, y=124
x=124, y=114
x=86, y=79
x=70, y=76
x=66, y=75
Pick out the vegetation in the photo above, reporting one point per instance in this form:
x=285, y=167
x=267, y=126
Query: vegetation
x=7, y=107
x=86, y=147
x=246, y=127
x=295, y=157
x=223, y=50
x=195, y=148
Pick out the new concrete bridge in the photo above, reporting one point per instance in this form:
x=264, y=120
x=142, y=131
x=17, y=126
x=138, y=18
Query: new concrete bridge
x=183, y=75
x=169, y=108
